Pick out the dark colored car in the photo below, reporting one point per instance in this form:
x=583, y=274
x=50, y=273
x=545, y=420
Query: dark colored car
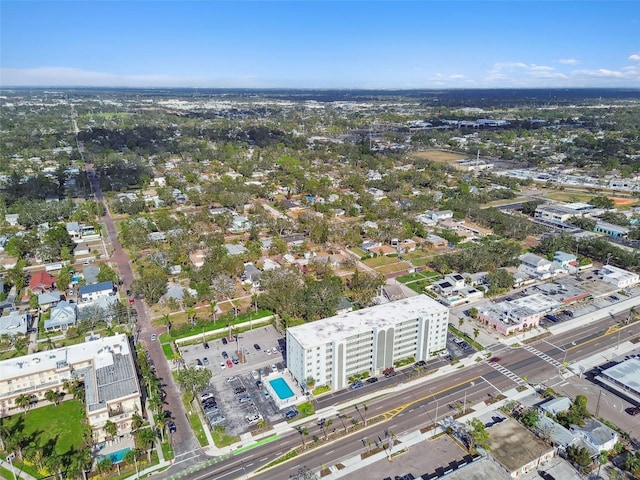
x=172, y=427
x=205, y=360
x=206, y=346
x=633, y=411
x=372, y=380
x=225, y=355
x=239, y=390
x=257, y=347
x=198, y=362
x=494, y=359
x=291, y=414
x=224, y=341
x=421, y=363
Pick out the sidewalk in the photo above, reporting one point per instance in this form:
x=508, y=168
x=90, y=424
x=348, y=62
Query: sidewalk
x=16, y=472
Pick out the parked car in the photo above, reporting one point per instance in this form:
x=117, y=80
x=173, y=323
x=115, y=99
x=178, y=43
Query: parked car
x=255, y=374
x=274, y=368
x=259, y=384
x=256, y=346
x=206, y=345
x=239, y=390
x=224, y=341
x=153, y=337
x=372, y=380
x=205, y=360
x=421, y=363
x=494, y=359
x=633, y=411
x=198, y=362
x=229, y=363
x=222, y=365
x=216, y=420
x=225, y=355
x=245, y=399
x=291, y=414
x=356, y=385
x=172, y=427
x=206, y=396
x=232, y=379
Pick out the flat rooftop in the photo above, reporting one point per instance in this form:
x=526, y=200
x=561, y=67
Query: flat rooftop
x=513, y=446
x=100, y=351
x=626, y=374
x=379, y=317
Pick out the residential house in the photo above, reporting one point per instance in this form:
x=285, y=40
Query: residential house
x=251, y=275
x=610, y=229
x=47, y=300
x=90, y=273
x=12, y=219
x=89, y=293
x=436, y=240
x=81, y=249
x=41, y=282
x=235, y=249
x=597, y=436
x=63, y=316
x=239, y=223
x=198, y=257
x=535, y=266
x=15, y=323
x=555, y=405
x=567, y=261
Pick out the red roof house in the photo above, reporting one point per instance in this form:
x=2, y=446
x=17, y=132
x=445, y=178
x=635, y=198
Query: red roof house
x=41, y=282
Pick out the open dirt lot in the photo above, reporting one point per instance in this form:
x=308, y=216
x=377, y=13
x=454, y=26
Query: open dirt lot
x=441, y=157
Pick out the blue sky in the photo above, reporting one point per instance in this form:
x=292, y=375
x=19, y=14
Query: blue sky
x=330, y=44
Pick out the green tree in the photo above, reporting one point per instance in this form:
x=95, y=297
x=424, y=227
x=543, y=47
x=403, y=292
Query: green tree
x=52, y=396
x=110, y=429
x=364, y=286
x=152, y=283
x=499, y=281
x=145, y=438
x=64, y=278
x=530, y=419
x=579, y=455
x=479, y=433
x=107, y=274
x=104, y=466
x=193, y=379
x=23, y=401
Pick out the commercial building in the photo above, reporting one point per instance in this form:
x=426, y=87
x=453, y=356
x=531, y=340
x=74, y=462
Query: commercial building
x=106, y=367
x=368, y=340
x=618, y=277
x=623, y=378
x=513, y=316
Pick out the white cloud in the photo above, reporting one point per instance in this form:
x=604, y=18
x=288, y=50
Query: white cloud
x=569, y=61
x=541, y=68
x=601, y=72
x=635, y=57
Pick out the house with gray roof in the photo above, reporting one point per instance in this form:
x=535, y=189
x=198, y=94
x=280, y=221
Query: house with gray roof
x=596, y=435
x=555, y=405
x=88, y=293
x=235, y=249
x=15, y=323
x=48, y=299
x=63, y=316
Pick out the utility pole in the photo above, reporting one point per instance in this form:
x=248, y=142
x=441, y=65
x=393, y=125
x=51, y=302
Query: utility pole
x=597, y=414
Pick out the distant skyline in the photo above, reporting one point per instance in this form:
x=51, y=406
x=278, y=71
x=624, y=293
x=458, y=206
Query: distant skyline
x=330, y=44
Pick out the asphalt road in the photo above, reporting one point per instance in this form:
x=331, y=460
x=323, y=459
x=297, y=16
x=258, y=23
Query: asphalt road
x=185, y=445
x=417, y=406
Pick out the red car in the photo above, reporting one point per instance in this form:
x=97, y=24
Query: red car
x=494, y=359
x=633, y=411
x=229, y=363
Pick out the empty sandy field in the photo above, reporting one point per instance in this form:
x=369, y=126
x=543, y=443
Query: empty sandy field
x=441, y=157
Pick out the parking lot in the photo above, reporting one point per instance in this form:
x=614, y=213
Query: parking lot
x=240, y=400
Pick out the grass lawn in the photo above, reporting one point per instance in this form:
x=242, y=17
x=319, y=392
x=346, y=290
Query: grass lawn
x=380, y=261
x=570, y=196
x=439, y=156
x=432, y=275
x=221, y=439
x=358, y=251
x=418, y=286
x=506, y=201
x=396, y=267
x=420, y=262
x=61, y=425
x=196, y=424
x=410, y=277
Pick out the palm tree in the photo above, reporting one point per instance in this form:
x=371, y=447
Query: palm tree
x=136, y=422
x=111, y=429
x=476, y=332
x=5, y=431
x=52, y=396
x=23, y=401
x=161, y=422
x=303, y=431
x=166, y=321
x=191, y=314
x=460, y=322
x=144, y=438
x=53, y=463
x=213, y=307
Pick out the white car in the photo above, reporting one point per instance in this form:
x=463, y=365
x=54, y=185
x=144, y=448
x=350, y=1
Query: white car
x=222, y=365
x=153, y=337
x=268, y=351
x=255, y=374
x=274, y=368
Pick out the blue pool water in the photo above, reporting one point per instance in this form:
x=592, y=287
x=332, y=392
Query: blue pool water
x=116, y=456
x=281, y=388
x=76, y=279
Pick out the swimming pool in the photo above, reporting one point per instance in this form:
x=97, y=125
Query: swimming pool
x=115, y=456
x=281, y=388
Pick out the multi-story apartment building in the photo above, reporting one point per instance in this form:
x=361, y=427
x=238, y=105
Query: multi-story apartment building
x=105, y=365
x=368, y=340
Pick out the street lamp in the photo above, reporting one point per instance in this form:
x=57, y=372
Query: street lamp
x=10, y=458
x=436, y=400
x=464, y=404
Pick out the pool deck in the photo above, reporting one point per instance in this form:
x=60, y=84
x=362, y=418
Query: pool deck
x=114, y=446
x=288, y=387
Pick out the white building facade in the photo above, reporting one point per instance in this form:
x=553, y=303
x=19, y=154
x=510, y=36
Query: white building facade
x=368, y=340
